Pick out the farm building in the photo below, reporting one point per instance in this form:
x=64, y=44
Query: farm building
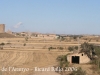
x=47, y=36
x=79, y=58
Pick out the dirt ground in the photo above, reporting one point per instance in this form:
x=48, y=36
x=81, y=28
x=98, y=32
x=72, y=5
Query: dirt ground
x=34, y=54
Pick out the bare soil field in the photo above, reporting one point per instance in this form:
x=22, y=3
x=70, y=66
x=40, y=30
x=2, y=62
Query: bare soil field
x=29, y=59
x=15, y=54
x=34, y=54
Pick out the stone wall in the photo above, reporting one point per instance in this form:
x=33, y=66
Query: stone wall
x=2, y=28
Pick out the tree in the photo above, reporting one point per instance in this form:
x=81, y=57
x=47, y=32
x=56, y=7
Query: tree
x=96, y=60
x=87, y=49
x=75, y=37
x=93, y=52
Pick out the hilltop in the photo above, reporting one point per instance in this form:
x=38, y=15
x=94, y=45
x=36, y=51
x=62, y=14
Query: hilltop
x=6, y=35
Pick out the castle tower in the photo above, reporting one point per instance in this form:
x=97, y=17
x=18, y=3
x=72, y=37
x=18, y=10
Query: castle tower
x=2, y=28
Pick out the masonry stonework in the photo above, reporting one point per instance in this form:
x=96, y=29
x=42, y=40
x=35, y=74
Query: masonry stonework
x=2, y=28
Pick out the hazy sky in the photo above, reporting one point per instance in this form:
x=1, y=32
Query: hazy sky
x=51, y=16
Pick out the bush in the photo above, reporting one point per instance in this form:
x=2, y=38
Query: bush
x=97, y=40
x=78, y=72
x=63, y=62
x=76, y=47
x=24, y=44
x=51, y=48
x=26, y=38
x=60, y=48
x=2, y=44
x=8, y=43
x=70, y=48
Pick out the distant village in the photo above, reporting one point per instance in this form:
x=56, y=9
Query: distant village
x=27, y=34
x=36, y=34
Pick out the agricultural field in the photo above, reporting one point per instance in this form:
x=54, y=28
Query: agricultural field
x=33, y=52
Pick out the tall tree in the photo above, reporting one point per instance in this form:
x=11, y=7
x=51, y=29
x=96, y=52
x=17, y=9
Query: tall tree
x=87, y=49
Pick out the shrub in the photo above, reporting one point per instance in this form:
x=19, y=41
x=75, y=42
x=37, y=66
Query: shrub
x=2, y=44
x=51, y=48
x=76, y=47
x=60, y=48
x=63, y=62
x=70, y=48
x=8, y=43
x=78, y=72
x=26, y=38
x=97, y=40
x=24, y=44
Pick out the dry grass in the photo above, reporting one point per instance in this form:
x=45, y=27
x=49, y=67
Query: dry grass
x=32, y=55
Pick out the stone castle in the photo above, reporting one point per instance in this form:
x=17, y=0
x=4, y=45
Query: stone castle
x=2, y=28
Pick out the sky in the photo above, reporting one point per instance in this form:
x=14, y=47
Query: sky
x=51, y=16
